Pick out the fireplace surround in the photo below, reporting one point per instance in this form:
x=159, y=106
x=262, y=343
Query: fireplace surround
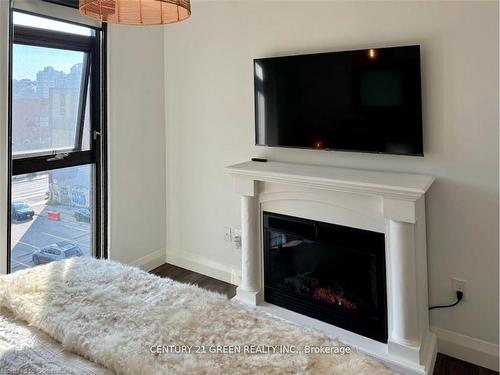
x=388, y=203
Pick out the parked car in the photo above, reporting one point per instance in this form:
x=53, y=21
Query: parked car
x=56, y=251
x=82, y=214
x=21, y=211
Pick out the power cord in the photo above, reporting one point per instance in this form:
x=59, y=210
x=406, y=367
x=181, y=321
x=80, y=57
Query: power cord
x=460, y=296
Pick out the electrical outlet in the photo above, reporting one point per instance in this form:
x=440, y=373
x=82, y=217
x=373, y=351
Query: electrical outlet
x=237, y=237
x=459, y=285
x=227, y=234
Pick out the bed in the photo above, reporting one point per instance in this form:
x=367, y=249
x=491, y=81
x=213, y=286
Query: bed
x=27, y=350
x=88, y=316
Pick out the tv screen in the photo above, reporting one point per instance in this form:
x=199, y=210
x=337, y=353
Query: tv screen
x=364, y=100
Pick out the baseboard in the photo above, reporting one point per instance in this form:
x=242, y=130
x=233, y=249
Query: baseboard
x=198, y=263
x=150, y=261
x=466, y=348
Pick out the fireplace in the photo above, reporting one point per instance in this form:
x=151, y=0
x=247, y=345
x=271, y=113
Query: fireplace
x=367, y=288
x=329, y=272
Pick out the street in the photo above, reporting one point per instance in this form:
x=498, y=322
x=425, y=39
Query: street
x=30, y=190
x=31, y=235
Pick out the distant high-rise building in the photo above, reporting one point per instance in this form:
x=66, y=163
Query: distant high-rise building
x=46, y=79
x=74, y=78
x=24, y=88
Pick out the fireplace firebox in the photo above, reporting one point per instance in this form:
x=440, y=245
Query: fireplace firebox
x=325, y=271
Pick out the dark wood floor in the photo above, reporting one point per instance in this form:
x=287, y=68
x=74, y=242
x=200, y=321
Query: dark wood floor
x=186, y=276
x=445, y=365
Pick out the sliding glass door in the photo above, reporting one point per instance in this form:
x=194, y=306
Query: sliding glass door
x=56, y=132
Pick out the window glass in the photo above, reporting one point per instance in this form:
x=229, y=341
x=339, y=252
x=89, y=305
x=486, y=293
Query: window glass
x=46, y=98
x=51, y=216
x=86, y=123
x=23, y=19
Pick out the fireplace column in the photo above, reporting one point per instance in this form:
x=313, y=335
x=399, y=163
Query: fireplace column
x=249, y=290
x=404, y=336
x=402, y=239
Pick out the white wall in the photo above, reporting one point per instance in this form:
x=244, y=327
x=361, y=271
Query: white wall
x=137, y=204
x=210, y=122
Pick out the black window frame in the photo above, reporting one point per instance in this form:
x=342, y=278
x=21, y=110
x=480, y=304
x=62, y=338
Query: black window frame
x=94, y=77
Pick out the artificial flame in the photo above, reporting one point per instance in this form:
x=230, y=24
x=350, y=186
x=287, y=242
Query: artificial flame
x=318, y=143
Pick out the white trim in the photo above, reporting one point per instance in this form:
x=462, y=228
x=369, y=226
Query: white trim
x=198, y=263
x=371, y=347
x=466, y=348
x=54, y=10
x=4, y=109
x=398, y=186
x=150, y=261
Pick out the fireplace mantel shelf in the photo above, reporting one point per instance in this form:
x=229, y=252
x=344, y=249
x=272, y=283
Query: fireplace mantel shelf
x=402, y=186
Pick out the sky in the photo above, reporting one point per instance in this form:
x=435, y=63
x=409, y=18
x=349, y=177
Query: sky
x=28, y=60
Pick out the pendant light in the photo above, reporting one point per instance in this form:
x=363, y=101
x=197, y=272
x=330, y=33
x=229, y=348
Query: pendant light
x=136, y=12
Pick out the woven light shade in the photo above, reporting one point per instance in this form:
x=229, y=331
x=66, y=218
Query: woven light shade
x=136, y=12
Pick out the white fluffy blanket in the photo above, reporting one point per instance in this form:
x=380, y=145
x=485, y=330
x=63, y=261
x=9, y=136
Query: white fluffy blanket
x=27, y=350
x=114, y=314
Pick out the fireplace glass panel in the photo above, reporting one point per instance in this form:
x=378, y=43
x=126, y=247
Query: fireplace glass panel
x=329, y=272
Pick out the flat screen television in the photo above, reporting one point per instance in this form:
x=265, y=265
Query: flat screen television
x=365, y=100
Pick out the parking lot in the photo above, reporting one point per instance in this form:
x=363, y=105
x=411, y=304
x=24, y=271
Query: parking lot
x=31, y=235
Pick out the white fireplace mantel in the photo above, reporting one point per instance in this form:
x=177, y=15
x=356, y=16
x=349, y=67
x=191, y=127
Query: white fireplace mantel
x=388, y=184
x=388, y=202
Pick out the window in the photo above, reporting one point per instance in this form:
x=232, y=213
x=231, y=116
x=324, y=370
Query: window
x=57, y=142
x=50, y=83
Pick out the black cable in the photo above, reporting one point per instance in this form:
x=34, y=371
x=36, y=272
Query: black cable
x=460, y=296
